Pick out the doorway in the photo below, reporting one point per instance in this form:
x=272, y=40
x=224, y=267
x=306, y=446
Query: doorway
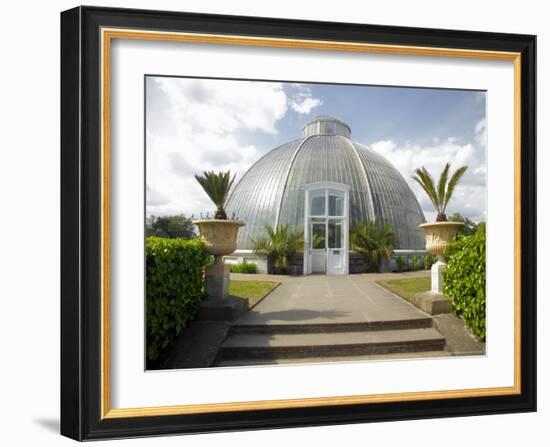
x=326, y=228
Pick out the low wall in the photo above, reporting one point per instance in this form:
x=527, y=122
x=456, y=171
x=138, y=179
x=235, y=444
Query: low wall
x=240, y=256
x=407, y=254
x=296, y=264
x=357, y=263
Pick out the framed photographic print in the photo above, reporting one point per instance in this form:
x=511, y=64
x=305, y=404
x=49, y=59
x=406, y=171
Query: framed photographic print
x=275, y=223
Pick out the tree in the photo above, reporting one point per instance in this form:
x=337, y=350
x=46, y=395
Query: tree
x=280, y=244
x=441, y=195
x=373, y=241
x=170, y=227
x=217, y=187
x=470, y=227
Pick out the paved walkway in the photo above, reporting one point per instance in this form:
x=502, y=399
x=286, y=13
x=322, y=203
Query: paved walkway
x=321, y=299
x=322, y=318
x=287, y=278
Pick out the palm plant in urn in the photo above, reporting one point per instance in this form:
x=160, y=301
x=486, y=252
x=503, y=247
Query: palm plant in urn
x=441, y=232
x=220, y=233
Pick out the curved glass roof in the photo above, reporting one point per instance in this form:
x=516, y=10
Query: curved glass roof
x=272, y=190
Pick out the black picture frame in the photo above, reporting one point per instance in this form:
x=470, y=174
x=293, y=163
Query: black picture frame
x=81, y=208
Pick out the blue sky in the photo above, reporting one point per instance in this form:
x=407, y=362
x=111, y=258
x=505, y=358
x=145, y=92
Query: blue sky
x=198, y=124
x=377, y=113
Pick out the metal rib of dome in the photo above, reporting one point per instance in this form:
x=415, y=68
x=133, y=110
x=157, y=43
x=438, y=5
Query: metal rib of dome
x=272, y=190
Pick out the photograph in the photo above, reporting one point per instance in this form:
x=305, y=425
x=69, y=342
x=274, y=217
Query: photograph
x=279, y=223
x=294, y=222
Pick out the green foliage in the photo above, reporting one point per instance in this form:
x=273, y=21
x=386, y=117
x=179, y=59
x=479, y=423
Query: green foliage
x=440, y=195
x=415, y=263
x=217, y=186
x=470, y=227
x=170, y=227
x=407, y=288
x=280, y=244
x=373, y=241
x=317, y=241
x=244, y=267
x=252, y=291
x=429, y=260
x=465, y=279
x=401, y=263
x=175, y=283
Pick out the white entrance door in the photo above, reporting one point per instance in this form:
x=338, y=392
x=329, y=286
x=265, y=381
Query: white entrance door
x=317, y=246
x=335, y=250
x=326, y=228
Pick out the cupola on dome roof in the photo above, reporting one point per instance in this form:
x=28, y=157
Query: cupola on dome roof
x=326, y=125
x=272, y=191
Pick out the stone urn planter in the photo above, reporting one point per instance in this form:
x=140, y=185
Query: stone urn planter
x=438, y=237
x=220, y=238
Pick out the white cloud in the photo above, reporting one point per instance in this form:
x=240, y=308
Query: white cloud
x=469, y=196
x=303, y=101
x=173, y=160
x=197, y=129
x=154, y=198
x=224, y=106
x=481, y=133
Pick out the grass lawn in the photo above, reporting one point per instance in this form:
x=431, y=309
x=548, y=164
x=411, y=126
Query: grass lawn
x=253, y=291
x=407, y=287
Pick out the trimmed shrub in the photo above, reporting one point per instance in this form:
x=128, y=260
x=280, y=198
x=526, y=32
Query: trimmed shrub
x=415, y=263
x=465, y=279
x=245, y=267
x=401, y=263
x=175, y=284
x=429, y=260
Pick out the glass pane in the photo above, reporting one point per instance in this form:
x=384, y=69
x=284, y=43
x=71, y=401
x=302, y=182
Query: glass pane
x=334, y=234
x=335, y=206
x=318, y=235
x=318, y=206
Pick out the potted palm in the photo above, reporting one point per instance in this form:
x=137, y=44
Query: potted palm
x=374, y=242
x=279, y=246
x=441, y=232
x=220, y=233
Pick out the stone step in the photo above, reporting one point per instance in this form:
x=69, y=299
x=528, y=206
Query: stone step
x=316, y=328
x=304, y=345
x=349, y=358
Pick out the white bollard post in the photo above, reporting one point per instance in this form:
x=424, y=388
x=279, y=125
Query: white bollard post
x=437, y=276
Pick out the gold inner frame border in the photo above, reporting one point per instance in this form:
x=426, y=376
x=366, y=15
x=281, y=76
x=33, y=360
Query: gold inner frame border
x=107, y=35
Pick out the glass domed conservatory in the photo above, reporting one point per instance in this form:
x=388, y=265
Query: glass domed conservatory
x=322, y=184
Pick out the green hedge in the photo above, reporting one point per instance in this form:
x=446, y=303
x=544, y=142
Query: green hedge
x=429, y=260
x=465, y=279
x=245, y=267
x=402, y=264
x=175, y=284
x=415, y=263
